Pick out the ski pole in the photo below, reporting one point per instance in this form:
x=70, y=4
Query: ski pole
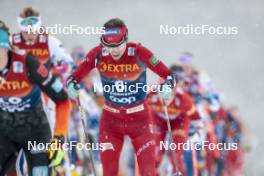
x=177, y=173
x=83, y=115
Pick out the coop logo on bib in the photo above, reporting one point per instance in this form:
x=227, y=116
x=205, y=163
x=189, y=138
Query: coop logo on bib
x=123, y=100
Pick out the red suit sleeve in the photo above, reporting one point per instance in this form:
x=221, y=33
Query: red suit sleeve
x=152, y=62
x=87, y=65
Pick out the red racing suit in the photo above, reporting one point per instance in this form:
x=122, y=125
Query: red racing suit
x=125, y=111
x=181, y=111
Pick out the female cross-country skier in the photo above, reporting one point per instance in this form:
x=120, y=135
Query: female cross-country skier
x=122, y=66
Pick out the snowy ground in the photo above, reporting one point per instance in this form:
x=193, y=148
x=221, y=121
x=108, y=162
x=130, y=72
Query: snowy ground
x=234, y=62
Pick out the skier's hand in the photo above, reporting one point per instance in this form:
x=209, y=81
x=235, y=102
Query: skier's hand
x=171, y=81
x=166, y=91
x=56, y=154
x=72, y=88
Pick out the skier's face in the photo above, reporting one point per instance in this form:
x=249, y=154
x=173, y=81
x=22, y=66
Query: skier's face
x=29, y=37
x=117, y=52
x=188, y=69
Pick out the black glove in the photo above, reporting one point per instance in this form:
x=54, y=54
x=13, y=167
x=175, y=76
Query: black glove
x=170, y=81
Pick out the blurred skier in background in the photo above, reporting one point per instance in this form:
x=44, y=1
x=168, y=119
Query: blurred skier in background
x=182, y=112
